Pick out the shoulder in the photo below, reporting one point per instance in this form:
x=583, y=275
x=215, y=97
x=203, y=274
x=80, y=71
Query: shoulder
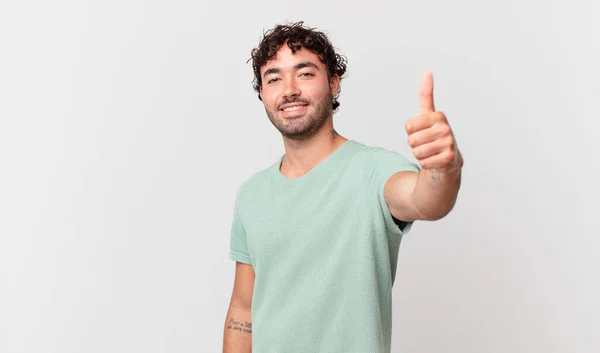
x=255, y=184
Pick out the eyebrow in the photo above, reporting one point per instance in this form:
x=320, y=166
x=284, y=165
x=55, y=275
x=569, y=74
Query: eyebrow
x=298, y=66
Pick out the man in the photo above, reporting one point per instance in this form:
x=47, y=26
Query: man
x=316, y=235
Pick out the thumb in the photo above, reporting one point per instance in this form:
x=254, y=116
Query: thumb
x=426, y=94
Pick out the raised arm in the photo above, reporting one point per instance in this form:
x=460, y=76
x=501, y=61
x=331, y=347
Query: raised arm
x=431, y=193
x=237, y=337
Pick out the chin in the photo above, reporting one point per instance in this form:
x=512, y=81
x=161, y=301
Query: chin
x=292, y=117
x=293, y=130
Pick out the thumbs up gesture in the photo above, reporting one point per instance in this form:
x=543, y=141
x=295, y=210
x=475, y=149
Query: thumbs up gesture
x=430, y=135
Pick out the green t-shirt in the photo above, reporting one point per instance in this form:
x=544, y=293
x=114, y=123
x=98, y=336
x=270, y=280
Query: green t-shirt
x=324, y=248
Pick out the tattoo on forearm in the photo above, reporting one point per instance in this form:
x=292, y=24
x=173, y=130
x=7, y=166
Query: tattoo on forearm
x=234, y=325
x=436, y=176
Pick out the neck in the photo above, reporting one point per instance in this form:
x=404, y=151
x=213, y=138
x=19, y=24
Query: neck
x=303, y=155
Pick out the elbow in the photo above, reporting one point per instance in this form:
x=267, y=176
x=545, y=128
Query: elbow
x=435, y=216
x=438, y=212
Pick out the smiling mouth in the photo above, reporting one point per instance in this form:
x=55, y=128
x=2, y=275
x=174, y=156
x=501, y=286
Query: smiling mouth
x=291, y=109
x=294, y=108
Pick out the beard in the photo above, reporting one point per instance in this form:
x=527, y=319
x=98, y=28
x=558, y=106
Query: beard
x=302, y=127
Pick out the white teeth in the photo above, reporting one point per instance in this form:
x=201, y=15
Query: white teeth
x=293, y=108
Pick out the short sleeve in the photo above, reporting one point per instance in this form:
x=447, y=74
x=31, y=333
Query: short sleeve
x=385, y=164
x=238, y=242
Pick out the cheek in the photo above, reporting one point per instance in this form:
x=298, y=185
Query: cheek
x=269, y=100
x=320, y=90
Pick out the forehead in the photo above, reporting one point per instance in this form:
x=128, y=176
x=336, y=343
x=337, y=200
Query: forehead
x=285, y=60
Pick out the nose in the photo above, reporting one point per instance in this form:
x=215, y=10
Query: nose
x=291, y=89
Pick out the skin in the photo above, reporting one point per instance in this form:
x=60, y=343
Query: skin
x=431, y=193
x=237, y=330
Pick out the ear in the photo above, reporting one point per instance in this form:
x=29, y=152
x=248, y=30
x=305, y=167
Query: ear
x=334, y=83
x=260, y=92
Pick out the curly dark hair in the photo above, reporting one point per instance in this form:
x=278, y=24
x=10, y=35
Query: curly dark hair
x=297, y=36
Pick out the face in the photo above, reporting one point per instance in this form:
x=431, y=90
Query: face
x=296, y=92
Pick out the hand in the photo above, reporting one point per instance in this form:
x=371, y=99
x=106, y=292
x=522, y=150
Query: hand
x=430, y=135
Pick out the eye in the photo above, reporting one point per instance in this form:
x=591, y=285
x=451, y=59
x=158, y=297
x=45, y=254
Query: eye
x=273, y=80
x=306, y=74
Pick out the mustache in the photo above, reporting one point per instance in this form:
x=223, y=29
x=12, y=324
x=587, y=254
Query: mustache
x=295, y=100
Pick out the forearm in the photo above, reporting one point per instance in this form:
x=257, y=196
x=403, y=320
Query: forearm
x=436, y=192
x=237, y=336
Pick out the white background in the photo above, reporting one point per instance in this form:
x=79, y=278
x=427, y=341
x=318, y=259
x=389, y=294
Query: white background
x=127, y=126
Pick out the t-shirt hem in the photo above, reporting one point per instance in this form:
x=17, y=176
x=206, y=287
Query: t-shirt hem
x=236, y=256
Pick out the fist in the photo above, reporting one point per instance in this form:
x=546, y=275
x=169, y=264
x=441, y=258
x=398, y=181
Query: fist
x=430, y=135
